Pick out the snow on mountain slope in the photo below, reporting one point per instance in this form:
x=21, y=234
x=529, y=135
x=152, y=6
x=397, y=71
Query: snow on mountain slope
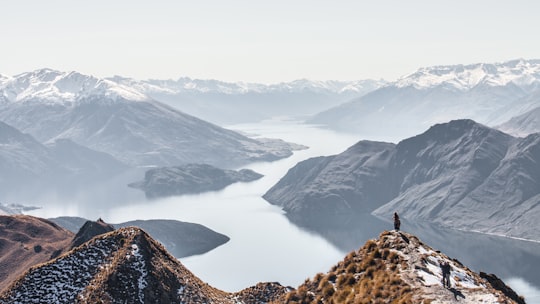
x=488, y=93
x=186, y=84
x=523, y=73
x=229, y=103
x=118, y=120
x=398, y=268
x=52, y=86
x=123, y=266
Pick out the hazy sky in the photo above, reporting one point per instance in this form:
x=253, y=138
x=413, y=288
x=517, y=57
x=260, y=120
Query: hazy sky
x=263, y=41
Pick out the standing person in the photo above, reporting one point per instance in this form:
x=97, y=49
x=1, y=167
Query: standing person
x=397, y=222
x=445, y=269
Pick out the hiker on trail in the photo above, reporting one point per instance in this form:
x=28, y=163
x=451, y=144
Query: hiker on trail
x=446, y=268
x=397, y=222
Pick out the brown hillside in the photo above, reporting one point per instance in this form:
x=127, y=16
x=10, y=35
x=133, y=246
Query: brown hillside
x=124, y=266
x=396, y=268
x=26, y=241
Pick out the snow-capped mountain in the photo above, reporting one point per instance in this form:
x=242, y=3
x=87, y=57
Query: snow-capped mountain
x=123, y=122
x=226, y=103
x=459, y=175
x=187, y=84
x=488, y=93
x=47, y=85
x=521, y=73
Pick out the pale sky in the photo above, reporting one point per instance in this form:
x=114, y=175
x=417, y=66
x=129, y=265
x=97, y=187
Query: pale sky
x=263, y=41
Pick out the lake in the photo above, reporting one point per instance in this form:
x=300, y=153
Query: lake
x=265, y=245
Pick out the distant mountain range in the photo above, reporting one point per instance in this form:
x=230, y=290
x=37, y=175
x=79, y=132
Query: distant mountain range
x=460, y=175
x=119, y=120
x=228, y=103
x=128, y=266
x=488, y=93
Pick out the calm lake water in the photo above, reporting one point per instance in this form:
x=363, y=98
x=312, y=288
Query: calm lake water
x=265, y=245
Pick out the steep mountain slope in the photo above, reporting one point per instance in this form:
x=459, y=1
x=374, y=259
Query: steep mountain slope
x=26, y=241
x=488, y=93
x=228, y=103
x=190, y=178
x=336, y=185
x=122, y=266
x=399, y=268
x=460, y=174
x=23, y=158
x=24, y=161
x=116, y=119
x=524, y=124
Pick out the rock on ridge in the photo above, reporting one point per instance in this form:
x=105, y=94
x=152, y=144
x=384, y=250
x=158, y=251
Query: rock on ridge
x=396, y=268
x=89, y=230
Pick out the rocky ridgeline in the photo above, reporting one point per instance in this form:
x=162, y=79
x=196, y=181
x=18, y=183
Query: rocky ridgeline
x=128, y=266
x=399, y=268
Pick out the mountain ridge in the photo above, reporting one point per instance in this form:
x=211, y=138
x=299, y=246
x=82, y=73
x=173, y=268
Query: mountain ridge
x=134, y=128
x=488, y=93
x=460, y=175
x=128, y=265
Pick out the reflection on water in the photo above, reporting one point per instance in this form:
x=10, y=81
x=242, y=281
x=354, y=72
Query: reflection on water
x=265, y=245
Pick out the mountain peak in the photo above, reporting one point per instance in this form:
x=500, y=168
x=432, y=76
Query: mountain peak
x=123, y=266
x=89, y=230
x=128, y=266
x=54, y=86
x=461, y=77
x=397, y=267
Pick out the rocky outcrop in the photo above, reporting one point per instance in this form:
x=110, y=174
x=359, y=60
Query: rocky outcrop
x=396, y=267
x=89, y=230
x=190, y=179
